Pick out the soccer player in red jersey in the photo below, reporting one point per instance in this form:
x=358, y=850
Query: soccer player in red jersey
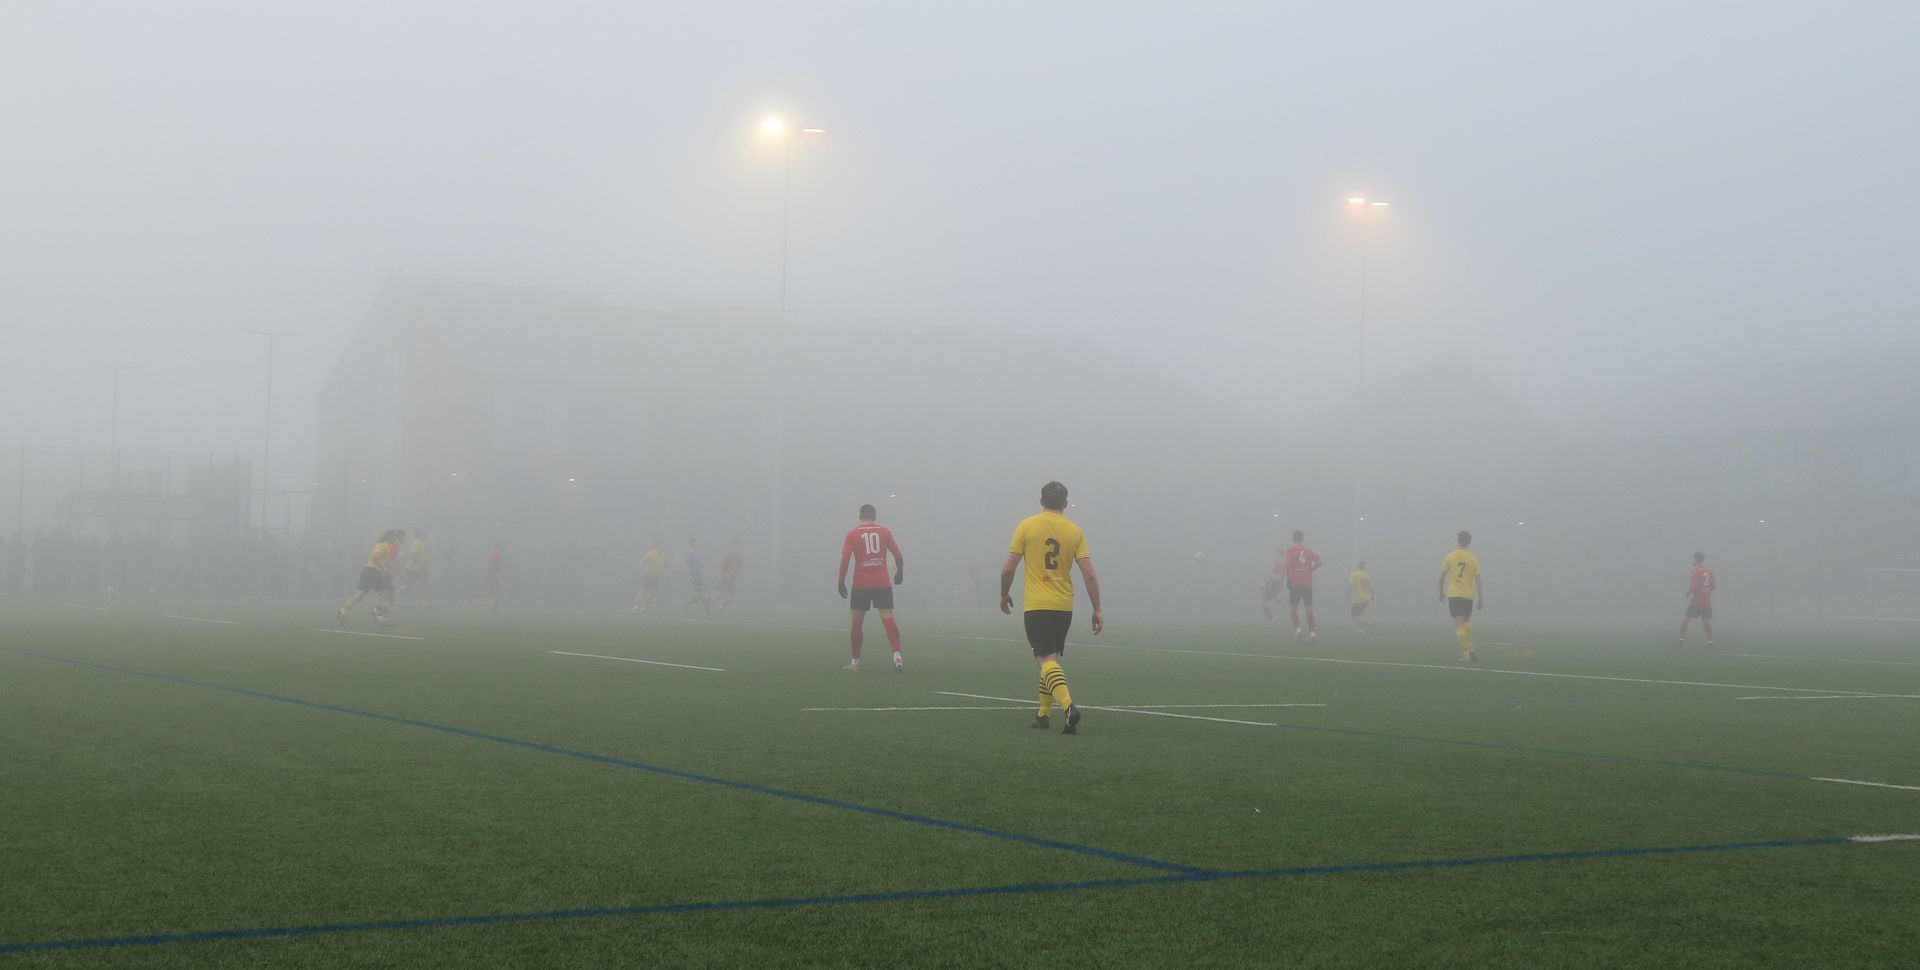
x=1700, y=587
x=1300, y=563
x=869, y=543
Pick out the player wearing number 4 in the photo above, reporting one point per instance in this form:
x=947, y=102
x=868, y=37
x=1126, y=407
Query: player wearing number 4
x=1462, y=588
x=1301, y=564
x=1051, y=544
x=870, y=543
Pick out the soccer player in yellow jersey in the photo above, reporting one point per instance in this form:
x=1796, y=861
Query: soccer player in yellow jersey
x=418, y=559
x=1462, y=588
x=375, y=577
x=1360, y=587
x=1051, y=544
x=653, y=565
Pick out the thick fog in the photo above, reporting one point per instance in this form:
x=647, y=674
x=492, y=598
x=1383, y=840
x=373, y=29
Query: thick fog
x=1643, y=285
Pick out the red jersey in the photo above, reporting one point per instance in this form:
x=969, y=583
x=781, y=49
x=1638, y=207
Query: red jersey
x=730, y=565
x=1701, y=584
x=1300, y=562
x=867, y=546
x=493, y=560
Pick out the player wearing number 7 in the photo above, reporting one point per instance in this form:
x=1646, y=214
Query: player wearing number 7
x=1051, y=544
x=870, y=543
x=1462, y=588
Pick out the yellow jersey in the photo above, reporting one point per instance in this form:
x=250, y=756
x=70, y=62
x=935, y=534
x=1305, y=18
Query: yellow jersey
x=417, y=555
x=1361, y=585
x=377, y=559
x=1463, y=574
x=1050, y=544
x=653, y=563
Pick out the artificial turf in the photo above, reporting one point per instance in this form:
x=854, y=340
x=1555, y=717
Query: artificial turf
x=471, y=798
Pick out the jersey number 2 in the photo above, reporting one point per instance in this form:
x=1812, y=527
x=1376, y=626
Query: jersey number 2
x=1053, y=554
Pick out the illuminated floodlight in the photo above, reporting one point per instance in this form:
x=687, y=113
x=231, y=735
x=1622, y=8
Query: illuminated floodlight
x=1376, y=204
x=772, y=126
x=1357, y=200
x=813, y=131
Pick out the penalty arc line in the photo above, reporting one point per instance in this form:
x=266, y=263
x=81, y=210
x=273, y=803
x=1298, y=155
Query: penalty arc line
x=635, y=660
x=920, y=895
x=660, y=770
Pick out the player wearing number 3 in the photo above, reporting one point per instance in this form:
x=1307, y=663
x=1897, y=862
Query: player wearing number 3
x=1051, y=544
x=1462, y=588
x=872, y=587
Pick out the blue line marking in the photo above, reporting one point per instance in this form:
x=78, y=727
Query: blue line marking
x=795, y=902
x=681, y=774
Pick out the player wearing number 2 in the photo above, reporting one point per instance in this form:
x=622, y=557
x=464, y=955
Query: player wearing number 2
x=1051, y=544
x=869, y=543
x=1462, y=588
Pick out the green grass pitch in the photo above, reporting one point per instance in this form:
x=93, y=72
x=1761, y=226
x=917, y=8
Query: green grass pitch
x=265, y=793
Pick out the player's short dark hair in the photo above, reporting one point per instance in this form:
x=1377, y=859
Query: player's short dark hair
x=1465, y=537
x=1053, y=495
x=1299, y=536
x=868, y=513
x=1699, y=557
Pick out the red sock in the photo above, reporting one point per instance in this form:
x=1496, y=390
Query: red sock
x=893, y=633
x=857, y=636
x=1294, y=612
x=1310, y=627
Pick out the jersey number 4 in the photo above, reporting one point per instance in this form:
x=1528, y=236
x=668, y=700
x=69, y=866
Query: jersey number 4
x=872, y=540
x=1053, y=554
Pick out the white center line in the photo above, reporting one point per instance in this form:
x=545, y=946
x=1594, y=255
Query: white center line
x=1885, y=838
x=632, y=660
x=1826, y=660
x=1869, y=784
x=1118, y=710
x=195, y=619
x=999, y=707
x=1820, y=697
x=1168, y=707
x=357, y=633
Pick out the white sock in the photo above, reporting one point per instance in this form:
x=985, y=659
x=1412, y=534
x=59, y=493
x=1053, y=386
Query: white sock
x=896, y=658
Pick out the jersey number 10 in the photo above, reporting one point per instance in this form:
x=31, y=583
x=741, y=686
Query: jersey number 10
x=872, y=540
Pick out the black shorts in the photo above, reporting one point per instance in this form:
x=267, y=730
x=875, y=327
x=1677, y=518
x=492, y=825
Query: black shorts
x=726, y=584
x=1271, y=590
x=1462, y=607
x=1047, y=631
x=878, y=598
x=374, y=581
x=1360, y=608
x=1297, y=595
x=649, y=582
x=1699, y=612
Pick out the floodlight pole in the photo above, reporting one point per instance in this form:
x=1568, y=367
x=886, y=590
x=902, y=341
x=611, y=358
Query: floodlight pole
x=266, y=433
x=113, y=486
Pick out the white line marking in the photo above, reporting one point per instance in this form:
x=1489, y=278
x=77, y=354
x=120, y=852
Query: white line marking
x=1884, y=619
x=1003, y=707
x=95, y=609
x=632, y=660
x=1827, y=660
x=1165, y=707
x=196, y=619
x=1119, y=710
x=1465, y=668
x=1885, y=838
x=1821, y=697
x=357, y=633
x=1870, y=784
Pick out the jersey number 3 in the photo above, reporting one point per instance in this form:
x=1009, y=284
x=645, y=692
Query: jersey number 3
x=1053, y=554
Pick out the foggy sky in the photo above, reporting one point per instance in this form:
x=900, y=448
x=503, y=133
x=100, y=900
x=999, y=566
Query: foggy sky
x=1581, y=196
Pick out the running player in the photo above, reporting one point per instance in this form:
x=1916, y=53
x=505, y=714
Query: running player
x=418, y=559
x=1360, y=587
x=696, y=577
x=729, y=575
x=652, y=565
x=1462, y=588
x=870, y=543
x=1271, y=590
x=376, y=577
x=1700, y=587
x=1051, y=544
x=1301, y=563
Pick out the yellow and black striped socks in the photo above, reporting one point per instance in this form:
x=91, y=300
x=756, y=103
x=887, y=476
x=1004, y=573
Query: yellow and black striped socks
x=1046, y=699
x=1053, y=685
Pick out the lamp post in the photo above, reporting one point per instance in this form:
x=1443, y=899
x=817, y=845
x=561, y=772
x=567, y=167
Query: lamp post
x=113, y=488
x=776, y=127
x=266, y=433
x=1366, y=209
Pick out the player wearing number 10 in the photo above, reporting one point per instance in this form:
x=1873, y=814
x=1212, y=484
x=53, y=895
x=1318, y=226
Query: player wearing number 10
x=1051, y=544
x=869, y=543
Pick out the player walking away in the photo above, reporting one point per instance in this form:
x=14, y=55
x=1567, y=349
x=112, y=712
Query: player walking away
x=867, y=546
x=496, y=559
x=729, y=575
x=696, y=577
x=1051, y=544
x=376, y=577
x=1462, y=588
x=1271, y=590
x=653, y=565
x=418, y=560
x=1700, y=587
x=1360, y=587
x=1301, y=564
